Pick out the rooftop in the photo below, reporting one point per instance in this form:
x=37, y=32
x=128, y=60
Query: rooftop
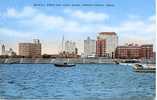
x=147, y=45
x=107, y=33
x=128, y=46
x=135, y=46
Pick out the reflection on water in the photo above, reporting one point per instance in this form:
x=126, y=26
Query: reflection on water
x=87, y=81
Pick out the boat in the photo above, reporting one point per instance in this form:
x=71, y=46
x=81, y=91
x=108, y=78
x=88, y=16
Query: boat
x=144, y=68
x=131, y=61
x=64, y=65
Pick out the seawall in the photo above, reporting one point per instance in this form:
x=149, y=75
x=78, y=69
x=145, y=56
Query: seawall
x=51, y=60
x=61, y=60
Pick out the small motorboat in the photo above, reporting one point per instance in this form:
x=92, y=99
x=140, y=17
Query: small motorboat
x=141, y=68
x=64, y=65
x=131, y=61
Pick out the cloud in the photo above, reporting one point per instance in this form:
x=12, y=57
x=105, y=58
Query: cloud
x=133, y=16
x=35, y=19
x=90, y=16
x=78, y=24
x=152, y=18
x=25, y=13
x=15, y=33
x=11, y=13
x=44, y=22
x=138, y=26
x=132, y=30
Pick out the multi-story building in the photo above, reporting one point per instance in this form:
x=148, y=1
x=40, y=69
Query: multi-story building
x=9, y=52
x=134, y=51
x=101, y=48
x=30, y=49
x=106, y=44
x=3, y=52
x=128, y=52
x=89, y=47
x=70, y=47
x=147, y=51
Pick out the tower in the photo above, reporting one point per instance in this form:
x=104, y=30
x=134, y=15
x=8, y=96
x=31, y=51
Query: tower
x=3, y=49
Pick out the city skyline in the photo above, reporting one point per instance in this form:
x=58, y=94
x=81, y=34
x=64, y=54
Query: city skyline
x=108, y=41
x=22, y=23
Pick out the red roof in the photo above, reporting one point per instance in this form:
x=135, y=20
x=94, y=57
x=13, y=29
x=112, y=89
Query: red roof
x=108, y=33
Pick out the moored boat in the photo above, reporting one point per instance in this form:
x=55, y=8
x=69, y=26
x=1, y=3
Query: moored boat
x=64, y=65
x=143, y=68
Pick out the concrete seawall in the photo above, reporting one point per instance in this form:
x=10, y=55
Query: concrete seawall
x=50, y=60
x=61, y=60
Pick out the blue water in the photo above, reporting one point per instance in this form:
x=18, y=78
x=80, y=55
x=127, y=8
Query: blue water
x=82, y=81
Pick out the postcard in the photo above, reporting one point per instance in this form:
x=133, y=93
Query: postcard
x=77, y=50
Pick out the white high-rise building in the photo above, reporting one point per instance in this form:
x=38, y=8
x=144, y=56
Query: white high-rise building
x=70, y=47
x=89, y=47
x=3, y=52
x=111, y=39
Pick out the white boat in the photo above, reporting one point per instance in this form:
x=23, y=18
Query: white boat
x=144, y=68
x=64, y=64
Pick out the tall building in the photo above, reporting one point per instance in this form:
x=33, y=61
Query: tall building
x=30, y=49
x=9, y=52
x=89, y=47
x=70, y=47
x=106, y=44
x=100, y=48
x=3, y=50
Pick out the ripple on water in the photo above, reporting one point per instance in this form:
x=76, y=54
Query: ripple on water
x=83, y=81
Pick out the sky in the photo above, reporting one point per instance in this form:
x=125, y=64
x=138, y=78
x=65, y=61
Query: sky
x=21, y=21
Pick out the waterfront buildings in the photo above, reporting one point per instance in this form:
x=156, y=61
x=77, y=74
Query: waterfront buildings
x=3, y=50
x=30, y=49
x=70, y=47
x=100, y=48
x=147, y=51
x=130, y=51
x=134, y=51
x=106, y=44
x=70, y=50
x=89, y=47
x=9, y=52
